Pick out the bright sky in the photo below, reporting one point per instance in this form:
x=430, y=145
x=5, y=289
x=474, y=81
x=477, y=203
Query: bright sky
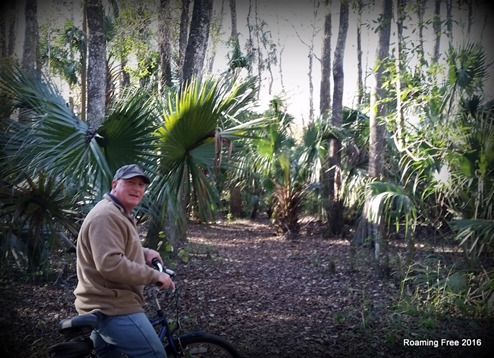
x=292, y=21
x=291, y=24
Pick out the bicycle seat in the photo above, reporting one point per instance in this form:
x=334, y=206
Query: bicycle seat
x=78, y=325
x=72, y=349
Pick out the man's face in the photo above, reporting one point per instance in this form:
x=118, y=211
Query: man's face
x=129, y=191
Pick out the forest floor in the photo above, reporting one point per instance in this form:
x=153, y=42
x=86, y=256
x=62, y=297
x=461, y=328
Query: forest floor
x=270, y=297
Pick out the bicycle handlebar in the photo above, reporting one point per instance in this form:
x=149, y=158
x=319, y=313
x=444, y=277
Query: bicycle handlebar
x=159, y=266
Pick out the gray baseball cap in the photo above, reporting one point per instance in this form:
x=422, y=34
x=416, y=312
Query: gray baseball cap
x=130, y=171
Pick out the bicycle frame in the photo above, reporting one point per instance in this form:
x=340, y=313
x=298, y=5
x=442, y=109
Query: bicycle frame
x=165, y=331
x=78, y=344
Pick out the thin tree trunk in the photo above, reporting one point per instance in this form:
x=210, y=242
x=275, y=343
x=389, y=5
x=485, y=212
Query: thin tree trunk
x=449, y=19
x=360, y=77
x=84, y=72
x=335, y=214
x=96, y=78
x=325, y=101
x=8, y=29
x=250, y=48
x=400, y=136
x=325, y=87
x=125, y=76
x=311, y=65
x=377, y=129
x=470, y=15
x=235, y=192
x=215, y=36
x=260, y=59
x=436, y=25
x=233, y=16
x=281, y=48
x=30, y=53
x=3, y=35
x=400, y=130
x=311, y=55
x=184, y=31
x=164, y=20
x=311, y=82
x=421, y=4
x=376, y=143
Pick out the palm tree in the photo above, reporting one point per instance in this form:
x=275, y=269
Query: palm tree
x=176, y=139
x=471, y=189
x=197, y=120
x=258, y=162
x=37, y=211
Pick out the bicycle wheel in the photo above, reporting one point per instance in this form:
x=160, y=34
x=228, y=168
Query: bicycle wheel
x=202, y=345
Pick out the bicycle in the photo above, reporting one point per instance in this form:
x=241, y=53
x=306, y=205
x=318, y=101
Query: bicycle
x=77, y=330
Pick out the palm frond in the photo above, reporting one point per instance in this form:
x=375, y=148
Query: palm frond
x=390, y=202
x=189, y=121
x=37, y=209
x=61, y=144
x=126, y=134
x=478, y=234
x=187, y=140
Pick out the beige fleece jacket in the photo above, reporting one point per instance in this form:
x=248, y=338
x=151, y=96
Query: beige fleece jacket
x=110, y=262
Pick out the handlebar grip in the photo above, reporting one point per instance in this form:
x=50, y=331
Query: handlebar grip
x=159, y=266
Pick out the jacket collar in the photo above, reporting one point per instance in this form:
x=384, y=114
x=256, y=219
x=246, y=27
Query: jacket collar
x=119, y=205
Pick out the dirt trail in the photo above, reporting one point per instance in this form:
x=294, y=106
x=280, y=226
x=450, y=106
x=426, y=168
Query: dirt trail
x=269, y=296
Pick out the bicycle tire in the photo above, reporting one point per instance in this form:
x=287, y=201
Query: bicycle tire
x=202, y=345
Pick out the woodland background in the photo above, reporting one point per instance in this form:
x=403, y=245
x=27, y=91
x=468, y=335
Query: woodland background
x=363, y=130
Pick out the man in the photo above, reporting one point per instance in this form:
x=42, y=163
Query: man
x=112, y=269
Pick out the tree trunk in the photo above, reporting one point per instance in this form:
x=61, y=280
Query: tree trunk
x=325, y=99
x=164, y=21
x=400, y=120
x=257, y=31
x=436, y=25
x=184, y=29
x=125, y=76
x=8, y=29
x=215, y=35
x=360, y=77
x=470, y=16
x=3, y=33
x=311, y=56
x=198, y=39
x=335, y=213
x=449, y=19
x=235, y=193
x=421, y=4
x=325, y=88
x=236, y=202
x=376, y=140
x=30, y=50
x=84, y=72
x=233, y=14
x=377, y=129
x=96, y=74
x=30, y=53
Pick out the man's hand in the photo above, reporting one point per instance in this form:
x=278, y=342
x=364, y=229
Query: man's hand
x=166, y=281
x=150, y=254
